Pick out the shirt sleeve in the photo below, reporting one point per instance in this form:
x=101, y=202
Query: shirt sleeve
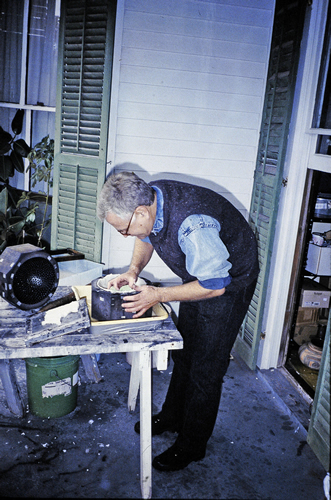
x=206, y=254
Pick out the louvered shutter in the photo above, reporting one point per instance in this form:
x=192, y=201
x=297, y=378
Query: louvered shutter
x=283, y=63
x=82, y=115
x=319, y=428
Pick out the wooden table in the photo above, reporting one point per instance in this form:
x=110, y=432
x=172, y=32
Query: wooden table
x=139, y=338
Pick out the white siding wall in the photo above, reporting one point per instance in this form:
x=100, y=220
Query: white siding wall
x=188, y=90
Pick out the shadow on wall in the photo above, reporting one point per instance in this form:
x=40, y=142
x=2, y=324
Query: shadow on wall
x=137, y=169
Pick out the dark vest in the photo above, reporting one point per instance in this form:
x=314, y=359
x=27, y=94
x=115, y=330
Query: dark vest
x=182, y=200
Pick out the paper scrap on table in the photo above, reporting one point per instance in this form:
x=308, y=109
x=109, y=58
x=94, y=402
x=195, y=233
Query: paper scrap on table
x=54, y=316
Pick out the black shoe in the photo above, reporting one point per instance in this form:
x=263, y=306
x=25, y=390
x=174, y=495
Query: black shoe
x=159, y=425
x=176, y=458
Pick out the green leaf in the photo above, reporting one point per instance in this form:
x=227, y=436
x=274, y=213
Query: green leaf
x=38, y=145
x=17, y=161
x=4, y=200
x=6, y=168
x=3, y=246
x=17, y=227
x=31, y=217
x=5, y=138
x=21, y=147
x=47, y=223
x=17, y=123
x=4, y=149
x=24, y=197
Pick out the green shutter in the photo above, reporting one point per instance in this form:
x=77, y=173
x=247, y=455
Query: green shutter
x=319, y=427
x=281, y=78
x=82, y=116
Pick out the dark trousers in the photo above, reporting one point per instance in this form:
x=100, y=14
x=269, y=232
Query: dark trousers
x=209, y=329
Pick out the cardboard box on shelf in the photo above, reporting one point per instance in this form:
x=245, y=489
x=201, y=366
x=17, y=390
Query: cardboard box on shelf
x=306, y=324
x=314, y=295
x=307, y=316
x=319, y=260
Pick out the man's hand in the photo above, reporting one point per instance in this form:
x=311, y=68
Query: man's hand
x=128, y=278
x=147, y=297
x=151, y=295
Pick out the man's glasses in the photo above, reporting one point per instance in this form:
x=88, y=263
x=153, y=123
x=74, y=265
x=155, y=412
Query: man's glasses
x=125, y=232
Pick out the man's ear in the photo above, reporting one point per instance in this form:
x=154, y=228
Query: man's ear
x=142, y=210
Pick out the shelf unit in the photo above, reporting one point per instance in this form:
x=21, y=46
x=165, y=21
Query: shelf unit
x=306, y=377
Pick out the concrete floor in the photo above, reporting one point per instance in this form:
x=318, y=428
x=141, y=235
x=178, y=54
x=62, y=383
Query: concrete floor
x=258, y=449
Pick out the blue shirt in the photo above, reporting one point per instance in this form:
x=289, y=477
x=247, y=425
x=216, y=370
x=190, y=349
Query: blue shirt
x=198, y=238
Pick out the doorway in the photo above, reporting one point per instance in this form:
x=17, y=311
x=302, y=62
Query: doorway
x=309, y=297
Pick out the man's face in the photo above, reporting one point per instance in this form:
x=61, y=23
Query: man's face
x=139, y=226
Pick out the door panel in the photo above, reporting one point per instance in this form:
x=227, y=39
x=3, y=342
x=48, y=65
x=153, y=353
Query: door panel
x=82, y=116
x=319, y=427
x=281, y=80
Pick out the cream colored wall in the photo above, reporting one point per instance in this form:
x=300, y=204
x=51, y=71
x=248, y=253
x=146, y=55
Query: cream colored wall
x=187, y=98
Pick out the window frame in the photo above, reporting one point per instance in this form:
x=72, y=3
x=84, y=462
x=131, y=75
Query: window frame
x=319, y=161
x=28, y=108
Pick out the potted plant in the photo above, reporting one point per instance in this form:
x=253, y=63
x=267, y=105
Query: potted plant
x=24, y=215
x=41, y=161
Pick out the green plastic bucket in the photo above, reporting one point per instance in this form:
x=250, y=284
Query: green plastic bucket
x=52, y=385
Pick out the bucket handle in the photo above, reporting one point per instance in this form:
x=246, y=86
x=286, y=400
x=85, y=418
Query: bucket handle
x=54, y=373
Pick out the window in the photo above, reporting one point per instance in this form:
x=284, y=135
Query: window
x=29, y=52
x=322, y=109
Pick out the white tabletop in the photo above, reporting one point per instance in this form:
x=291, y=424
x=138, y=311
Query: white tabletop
x=129, y=336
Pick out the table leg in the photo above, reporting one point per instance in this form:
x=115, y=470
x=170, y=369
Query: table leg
x=8, y=378
x=145, y=423
x=161, y=359
x=134, y=382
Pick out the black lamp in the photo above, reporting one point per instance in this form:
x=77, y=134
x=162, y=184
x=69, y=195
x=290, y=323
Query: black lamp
x=28, y=276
